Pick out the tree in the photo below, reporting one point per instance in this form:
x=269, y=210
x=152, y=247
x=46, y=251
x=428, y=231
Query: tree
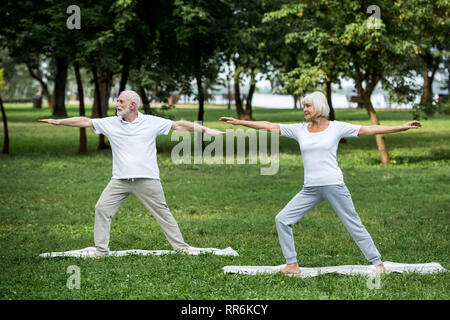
x=100, y=53
x=5, y=149
x=38, y=72
x=83, y=140
x=23, y=43
x=428, y=24
x=155, y=72
x=3, y=88
x=248, y=48
x=200, y=27
x=34, y=35
x=242, y=50
x=303, y=59
x=17, y=78
x=106, y=48
x=284, y=61
x=372, y=48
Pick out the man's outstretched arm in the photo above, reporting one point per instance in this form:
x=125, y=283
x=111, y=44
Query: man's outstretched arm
x=190, y=126
x=82, y=122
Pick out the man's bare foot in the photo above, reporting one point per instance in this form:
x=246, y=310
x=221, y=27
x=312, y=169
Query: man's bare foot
x=291, y=268
x=380, y=269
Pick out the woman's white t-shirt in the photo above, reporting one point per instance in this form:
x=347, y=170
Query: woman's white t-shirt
x=133, y=144
x=319, y=149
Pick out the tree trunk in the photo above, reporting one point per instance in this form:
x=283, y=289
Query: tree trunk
x=365, y=93
x=330, y=103
x=59, y=108
x=145, y=102
x=201, y=102
x=332, y=115
x=448, y=77
x=295, y=96
x=125, y=72
x=105, y=91
x=201, y=98
x=237, y=93
x=103, y=88
x=38, y=102
x=426, y=87
x=427, y=90
x=381, y=143
x=47, y=94
x=176, y=97
x=53, y=99
x=5, y=149
x=83, y=140
x=251, y=91
x=97, y=108
x=229, y=92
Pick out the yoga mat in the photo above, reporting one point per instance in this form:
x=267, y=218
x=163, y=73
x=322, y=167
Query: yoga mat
x=86, y=252
x=345, y=269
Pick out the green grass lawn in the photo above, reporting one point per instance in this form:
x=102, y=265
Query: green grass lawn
x=48, y=194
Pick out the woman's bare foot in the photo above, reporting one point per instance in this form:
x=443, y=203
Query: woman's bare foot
x=380, y=269
x=291, y=268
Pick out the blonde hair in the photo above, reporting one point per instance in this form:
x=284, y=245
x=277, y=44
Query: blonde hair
x=319, y=101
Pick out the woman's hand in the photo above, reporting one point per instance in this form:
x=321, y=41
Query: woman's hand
x=230, y=120
x=412, y=125
x=378, y=129
x=264, y=125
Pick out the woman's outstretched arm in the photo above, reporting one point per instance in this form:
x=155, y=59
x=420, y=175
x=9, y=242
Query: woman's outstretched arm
x=272, y=127
x=378, y=129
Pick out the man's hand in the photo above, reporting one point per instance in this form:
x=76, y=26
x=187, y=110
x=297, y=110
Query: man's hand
x=190, y=126
x=51, y=121
x=214, y=132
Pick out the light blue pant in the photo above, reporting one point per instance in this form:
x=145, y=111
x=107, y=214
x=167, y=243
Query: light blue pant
x=340, y=199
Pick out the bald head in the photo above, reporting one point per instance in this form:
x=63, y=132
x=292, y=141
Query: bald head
x=132, y=96
x=128, y=103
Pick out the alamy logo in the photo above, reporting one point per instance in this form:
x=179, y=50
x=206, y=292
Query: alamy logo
x=374, y=21
x=237, y=153
x=74, y=20
x=73, y=282
x=374, y=282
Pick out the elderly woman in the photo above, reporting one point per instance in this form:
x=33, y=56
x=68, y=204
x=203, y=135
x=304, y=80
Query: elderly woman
x=323, y=179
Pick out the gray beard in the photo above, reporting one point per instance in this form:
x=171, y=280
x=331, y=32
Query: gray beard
x=124, y=113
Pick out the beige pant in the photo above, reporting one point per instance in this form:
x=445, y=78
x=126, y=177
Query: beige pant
x=150, y=193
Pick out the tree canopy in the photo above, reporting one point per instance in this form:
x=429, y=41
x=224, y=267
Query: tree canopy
x=165, y=46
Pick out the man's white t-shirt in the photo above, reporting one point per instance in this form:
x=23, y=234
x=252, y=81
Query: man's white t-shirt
x=319, y=149
x=133, y=144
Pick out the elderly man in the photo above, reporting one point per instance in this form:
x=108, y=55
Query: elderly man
x=132, y=137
